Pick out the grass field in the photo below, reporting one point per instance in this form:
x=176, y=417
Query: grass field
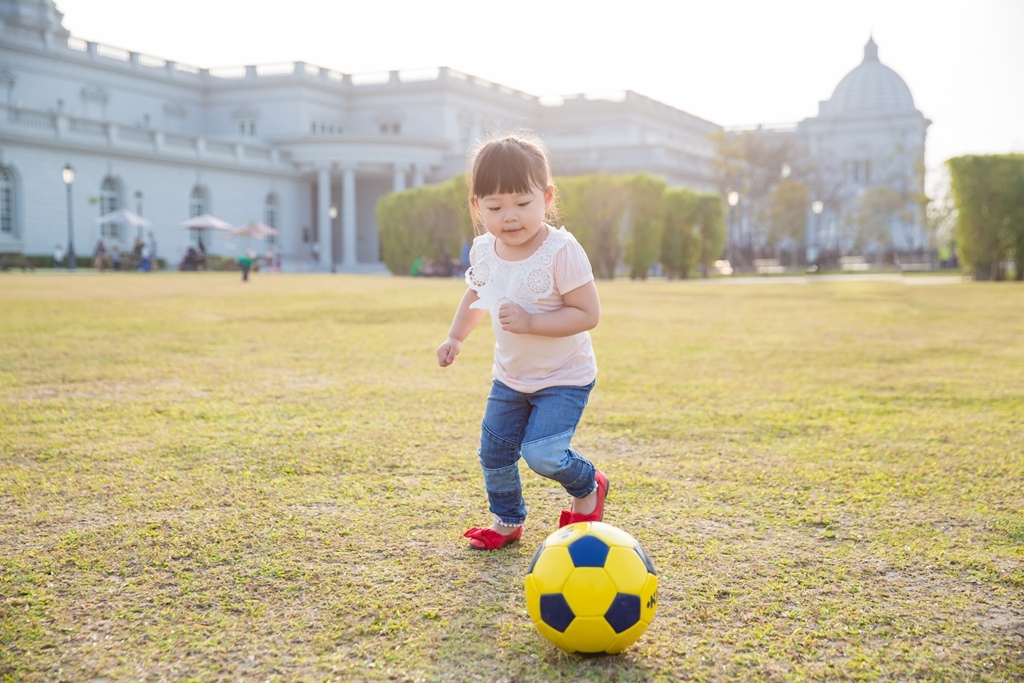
x=205, y=480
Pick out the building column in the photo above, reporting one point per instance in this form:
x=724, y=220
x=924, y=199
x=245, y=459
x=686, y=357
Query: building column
x=417, y=176
x=348, y=217
x=323, y=216
x=399, y=178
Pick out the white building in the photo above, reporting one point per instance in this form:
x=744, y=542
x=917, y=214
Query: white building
x=304, y=149
x=867, y=138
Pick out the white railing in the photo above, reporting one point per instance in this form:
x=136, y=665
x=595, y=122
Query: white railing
x=87, y=127
x=109, y=52
x=134, y=139
x=31, y=118
x=419, y=75
x=227, y=72
x=152, y=62
x=135, y=136
x=374, y=78
x=279, y=69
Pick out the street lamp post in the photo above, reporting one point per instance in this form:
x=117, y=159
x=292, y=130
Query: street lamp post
x=817, y=206
x=138, y=208
x=733, y=198
x=68, y=174
x=333, y=213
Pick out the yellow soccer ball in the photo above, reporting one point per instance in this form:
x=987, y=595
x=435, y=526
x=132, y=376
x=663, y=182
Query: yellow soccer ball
x=591, y=588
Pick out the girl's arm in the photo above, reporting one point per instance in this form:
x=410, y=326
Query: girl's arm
x=466, y=320
x=581, y=312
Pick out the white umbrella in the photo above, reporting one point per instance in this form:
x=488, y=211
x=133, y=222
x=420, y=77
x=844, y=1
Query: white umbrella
x=124, y=217
x=206, y=222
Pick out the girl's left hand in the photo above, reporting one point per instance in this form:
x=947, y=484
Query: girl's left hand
x=513, y=318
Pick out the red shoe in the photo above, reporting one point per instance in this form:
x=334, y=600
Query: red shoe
x=569, y=517
x=489, y=539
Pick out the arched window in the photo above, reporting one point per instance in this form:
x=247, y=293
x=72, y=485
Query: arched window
x=270, y=215
x=110, y=200
x=7, y=195
x=199, y=202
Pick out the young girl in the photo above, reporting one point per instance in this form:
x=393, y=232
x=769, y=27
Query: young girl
x=537, y=284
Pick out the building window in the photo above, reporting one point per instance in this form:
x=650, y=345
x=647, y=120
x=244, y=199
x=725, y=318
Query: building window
x=198, y=202
x=246, y=128
x=110, y=200
x=6, y=202
x=859, y=171
x=323, y=128
x=270, y=216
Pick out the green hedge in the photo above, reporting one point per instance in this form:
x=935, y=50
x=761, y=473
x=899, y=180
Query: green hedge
x=988, y=193
x=626, y=223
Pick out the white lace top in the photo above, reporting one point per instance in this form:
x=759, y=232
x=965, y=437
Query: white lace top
x=528, y=362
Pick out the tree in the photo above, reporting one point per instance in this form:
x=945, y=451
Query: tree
x=710, y=217
x=988, y=192
x=785, y=213
x=644, y=218
x=594, y=207
x=940, y=213
x=752, y=163
x=874, y=212
x=428, y=221
x=680, y=240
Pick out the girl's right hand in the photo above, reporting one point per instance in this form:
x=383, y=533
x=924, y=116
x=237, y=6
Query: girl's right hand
x=446, y=352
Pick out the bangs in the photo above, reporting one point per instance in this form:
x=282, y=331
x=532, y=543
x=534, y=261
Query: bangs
x=506, y=168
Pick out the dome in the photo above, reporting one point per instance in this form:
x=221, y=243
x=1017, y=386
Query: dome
x=871, y=88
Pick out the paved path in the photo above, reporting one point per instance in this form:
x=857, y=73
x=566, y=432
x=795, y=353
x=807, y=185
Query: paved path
x=811, y=279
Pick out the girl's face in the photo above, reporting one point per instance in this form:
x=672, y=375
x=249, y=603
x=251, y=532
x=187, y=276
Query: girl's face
x=515, y=219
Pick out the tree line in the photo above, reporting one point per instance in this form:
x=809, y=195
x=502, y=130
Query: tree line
x=632, y=224
x=988, y=197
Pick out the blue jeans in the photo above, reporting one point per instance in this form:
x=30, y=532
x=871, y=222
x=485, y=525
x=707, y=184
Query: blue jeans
x=537, y=427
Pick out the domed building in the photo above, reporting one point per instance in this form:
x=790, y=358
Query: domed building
x=867, y=143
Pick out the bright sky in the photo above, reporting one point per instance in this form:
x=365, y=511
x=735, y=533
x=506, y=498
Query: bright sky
x=733, y=62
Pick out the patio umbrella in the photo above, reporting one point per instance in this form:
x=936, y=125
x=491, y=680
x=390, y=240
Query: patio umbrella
x=126, y=218
x=205, y=223
x=253, y=229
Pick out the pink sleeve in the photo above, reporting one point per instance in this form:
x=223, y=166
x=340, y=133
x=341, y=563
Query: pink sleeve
x=571, y=267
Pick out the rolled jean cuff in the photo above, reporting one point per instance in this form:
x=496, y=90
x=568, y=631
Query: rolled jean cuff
x=500, y=522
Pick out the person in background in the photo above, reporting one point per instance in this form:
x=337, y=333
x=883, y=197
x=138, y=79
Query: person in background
x=245, y=263
x=58, y=256
x=152, y=251
x=99, y=256
x=463, y=259
x=145, y=265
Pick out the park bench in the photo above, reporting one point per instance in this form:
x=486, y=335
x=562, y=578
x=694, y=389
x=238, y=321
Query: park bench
x=853, y=263
x=10, y=260
x=920, y=262
x=768, y=265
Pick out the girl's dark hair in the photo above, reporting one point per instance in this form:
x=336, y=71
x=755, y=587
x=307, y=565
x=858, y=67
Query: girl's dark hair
x=510, y=164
